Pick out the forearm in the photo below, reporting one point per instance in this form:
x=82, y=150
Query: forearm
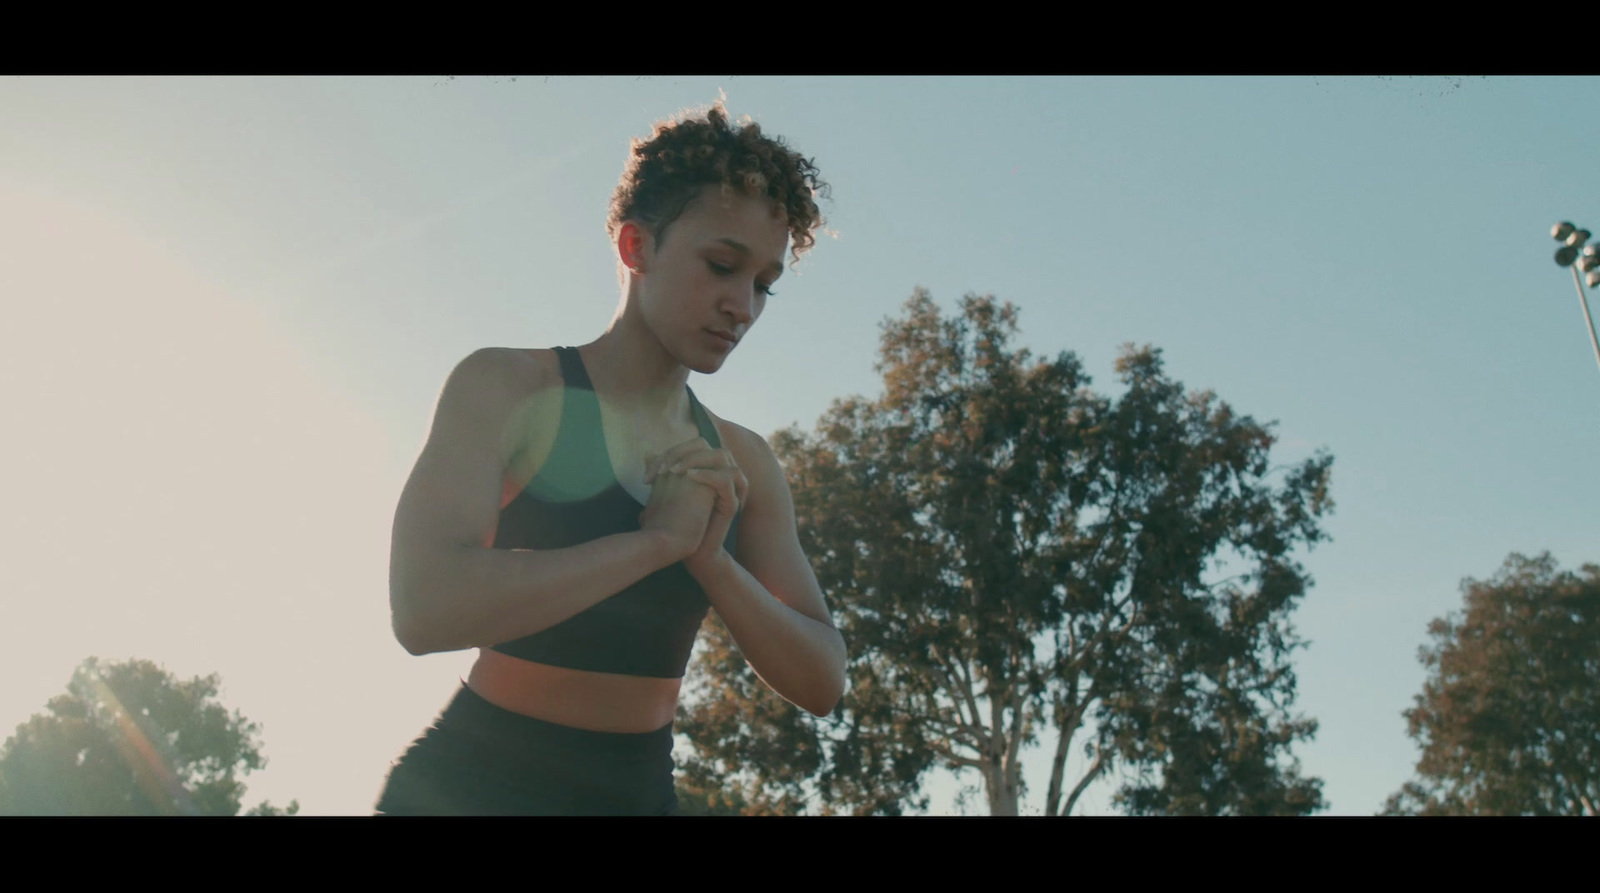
x=474, y=597
x=799, y=657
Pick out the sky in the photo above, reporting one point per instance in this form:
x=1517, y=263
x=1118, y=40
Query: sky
x=230, y=304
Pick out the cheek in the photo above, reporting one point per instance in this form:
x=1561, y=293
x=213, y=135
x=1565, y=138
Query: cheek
x=699, y=282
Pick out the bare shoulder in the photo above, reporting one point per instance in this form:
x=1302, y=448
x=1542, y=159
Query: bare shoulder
x=507, y=371
x=494, y=391
x=748, y=447
x=768, y=486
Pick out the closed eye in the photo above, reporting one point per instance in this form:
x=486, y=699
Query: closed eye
x=725, y=270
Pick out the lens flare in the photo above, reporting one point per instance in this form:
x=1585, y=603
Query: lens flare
x=575, y=470
x=151, y=769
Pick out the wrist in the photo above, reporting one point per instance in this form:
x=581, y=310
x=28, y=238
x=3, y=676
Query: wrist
x=708, y=568
x=661, y=549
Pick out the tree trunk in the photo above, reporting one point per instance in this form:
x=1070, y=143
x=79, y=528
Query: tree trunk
x=1002, y=784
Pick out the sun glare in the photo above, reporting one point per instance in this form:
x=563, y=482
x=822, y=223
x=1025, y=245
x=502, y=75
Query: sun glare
x=179, y=484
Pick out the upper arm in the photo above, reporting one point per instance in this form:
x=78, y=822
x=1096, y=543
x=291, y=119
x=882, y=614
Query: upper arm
x=452, y=498
x=769, y=541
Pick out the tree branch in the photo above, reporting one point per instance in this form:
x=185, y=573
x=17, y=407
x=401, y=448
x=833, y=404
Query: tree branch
x=997, y=722
x=970, y=735
x=1099, y=764
x=1113, y=517
x=1018, y=698
x=963, y=671
x=957, y=759
x=942, y=665
x=1064, y=736
x=1105, y=633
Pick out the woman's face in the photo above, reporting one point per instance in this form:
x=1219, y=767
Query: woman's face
x=706, y=282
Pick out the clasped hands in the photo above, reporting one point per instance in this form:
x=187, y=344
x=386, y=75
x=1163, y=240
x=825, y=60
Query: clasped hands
x=695, y=493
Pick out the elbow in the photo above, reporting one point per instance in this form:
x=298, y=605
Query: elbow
x=422, y=615
x=838, y=679
x=419, y=639
x=824, y=704
x=826, y=701
x=403, y=617
x=821, y=710
x=412, y=636
x=813, y=695
x=414, y=646
x=416, y=632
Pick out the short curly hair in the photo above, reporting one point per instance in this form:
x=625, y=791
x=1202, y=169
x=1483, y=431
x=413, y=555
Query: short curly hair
x=666, y=172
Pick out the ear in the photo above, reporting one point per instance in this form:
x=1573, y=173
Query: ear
x=632, y=242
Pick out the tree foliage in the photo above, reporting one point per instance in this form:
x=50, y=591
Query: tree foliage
x=1509, y=717
x=1011, y=556
x=129, y=738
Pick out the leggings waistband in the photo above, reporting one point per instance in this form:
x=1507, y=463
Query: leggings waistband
x=468, y=712
x=480, y=759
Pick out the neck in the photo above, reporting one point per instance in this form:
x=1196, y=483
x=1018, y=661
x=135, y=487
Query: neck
x=634, y=372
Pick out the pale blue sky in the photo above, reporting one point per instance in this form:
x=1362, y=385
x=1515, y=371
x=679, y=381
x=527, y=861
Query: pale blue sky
x=231, y=302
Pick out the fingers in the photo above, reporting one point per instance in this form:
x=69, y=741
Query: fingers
x=729, y=484
x=721, y=485
x=654, y=465
x=683, y=461
x=678, y=451
x=707, y=458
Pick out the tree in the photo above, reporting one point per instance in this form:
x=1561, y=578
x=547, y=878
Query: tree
x=1010, y=555
x=700, y=795
x=129, y=738
x=1509, y=717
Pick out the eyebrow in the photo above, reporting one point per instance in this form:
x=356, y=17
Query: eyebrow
x=742, y=248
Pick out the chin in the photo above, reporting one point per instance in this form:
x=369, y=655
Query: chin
x=707, y=366
x=703, y=361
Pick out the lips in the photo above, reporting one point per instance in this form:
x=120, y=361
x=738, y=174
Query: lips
x=725, y=336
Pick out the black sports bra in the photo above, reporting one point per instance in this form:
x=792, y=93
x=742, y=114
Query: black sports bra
x=647, y=629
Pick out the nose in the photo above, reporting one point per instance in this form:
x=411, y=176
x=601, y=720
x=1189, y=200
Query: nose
x=740, y=305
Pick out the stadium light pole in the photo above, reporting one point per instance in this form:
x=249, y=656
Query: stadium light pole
x=1568, y=255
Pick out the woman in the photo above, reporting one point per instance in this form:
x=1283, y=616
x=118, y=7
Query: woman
x=576, y=511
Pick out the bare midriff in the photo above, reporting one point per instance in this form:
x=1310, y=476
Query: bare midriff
x=582, y=699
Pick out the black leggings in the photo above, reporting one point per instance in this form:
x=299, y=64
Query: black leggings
x=479, y=759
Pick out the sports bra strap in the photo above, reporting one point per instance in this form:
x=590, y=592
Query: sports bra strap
x=708, y=430
x=573, y=375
